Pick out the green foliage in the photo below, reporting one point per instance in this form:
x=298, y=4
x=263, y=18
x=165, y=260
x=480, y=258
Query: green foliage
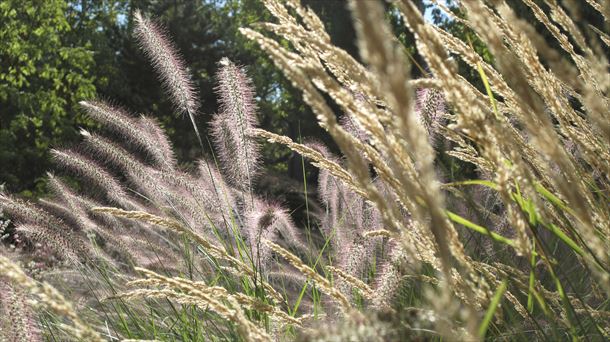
x=62, y=51
x=42, y=76
x=503, y=250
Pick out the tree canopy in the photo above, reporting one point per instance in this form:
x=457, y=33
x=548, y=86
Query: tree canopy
x=43, y=75
x=59, y=52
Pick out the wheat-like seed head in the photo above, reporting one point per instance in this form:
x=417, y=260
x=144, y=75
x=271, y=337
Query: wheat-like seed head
x=50, y=298
x=324, y=284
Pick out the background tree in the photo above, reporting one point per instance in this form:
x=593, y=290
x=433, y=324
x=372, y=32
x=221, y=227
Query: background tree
x=59, y=53
x=43, y=75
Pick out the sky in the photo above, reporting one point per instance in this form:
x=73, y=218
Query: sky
x=428, y=13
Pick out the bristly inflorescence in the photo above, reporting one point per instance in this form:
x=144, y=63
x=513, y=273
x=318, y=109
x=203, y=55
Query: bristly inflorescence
x=238, y=152
x=169, y=66
x=387, y=235
x=18, y=321
x=430, y=109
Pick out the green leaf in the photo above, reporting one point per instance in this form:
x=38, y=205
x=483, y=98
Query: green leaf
x=493, y=306
x=479, y=229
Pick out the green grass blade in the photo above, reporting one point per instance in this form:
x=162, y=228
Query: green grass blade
x=493, y=306
x=532, y=281
x=480, y=229
x=482, y=182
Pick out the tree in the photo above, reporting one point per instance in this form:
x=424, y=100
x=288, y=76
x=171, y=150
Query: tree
x=89, y=42
x=42, y=77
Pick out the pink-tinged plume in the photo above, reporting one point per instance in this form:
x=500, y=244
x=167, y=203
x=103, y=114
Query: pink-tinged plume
x=169, y=66
x=237, y=151
x=17, y=319
x=143, y=132
x=430, y=109
x=271, y=222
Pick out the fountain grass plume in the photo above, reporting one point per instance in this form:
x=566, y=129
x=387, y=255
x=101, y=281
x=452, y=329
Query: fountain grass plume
x=143, y=132
x=18, y=322
x=238, y=152
x=169, y=66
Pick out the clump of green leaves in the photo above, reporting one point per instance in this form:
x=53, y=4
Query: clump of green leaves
x=42, y=77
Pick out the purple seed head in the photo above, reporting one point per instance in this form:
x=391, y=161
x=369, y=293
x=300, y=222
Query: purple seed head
x=168, y=64
x=238, y=152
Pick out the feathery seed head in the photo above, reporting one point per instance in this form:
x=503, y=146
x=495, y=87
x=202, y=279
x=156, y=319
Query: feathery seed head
x=267, y=221
x=238, y=152
x=168, y=64
x=163, y=151
x=86, y=167
x=430, y=109
x=144, y=132
x=260, y=225
x=327, y=184
x=18, y=322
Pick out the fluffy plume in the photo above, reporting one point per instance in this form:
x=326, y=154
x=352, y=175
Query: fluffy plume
x=85, y=167
x=40, y=226
x=238, y=153
x=271, y=222
x=18, y=322
x=140, y=132
x=430, y=110
x=169, y=66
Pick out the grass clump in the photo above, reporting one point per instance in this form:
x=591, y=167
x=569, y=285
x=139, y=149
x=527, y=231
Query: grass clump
x=401, y=247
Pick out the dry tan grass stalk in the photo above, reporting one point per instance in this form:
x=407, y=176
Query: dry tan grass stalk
x=541, y=137
x=515, y=139
x=602, y=7
x=323, y=283
x=188, y=286
x=291, y=64
x=343, y=66
x=379, y=233
x=211, y=296
x=366, y=112
x=547, y=86
x=437, y=58
x=176, y=226
x=604, y=37
x=353, y=281
x=294, y=68
x=511, y=104
x=552, y=299
x=472, y=119
x=585, y=65
x=230, y=314
x=388, y=64
x=563, y=19
x=48, y=297
x=170, y=294
x=218, y=252
x=526, y=53
x=493, y=153
x=311, y=68
x=318, y=158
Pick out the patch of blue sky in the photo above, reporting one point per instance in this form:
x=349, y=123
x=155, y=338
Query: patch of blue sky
x=430, y=6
